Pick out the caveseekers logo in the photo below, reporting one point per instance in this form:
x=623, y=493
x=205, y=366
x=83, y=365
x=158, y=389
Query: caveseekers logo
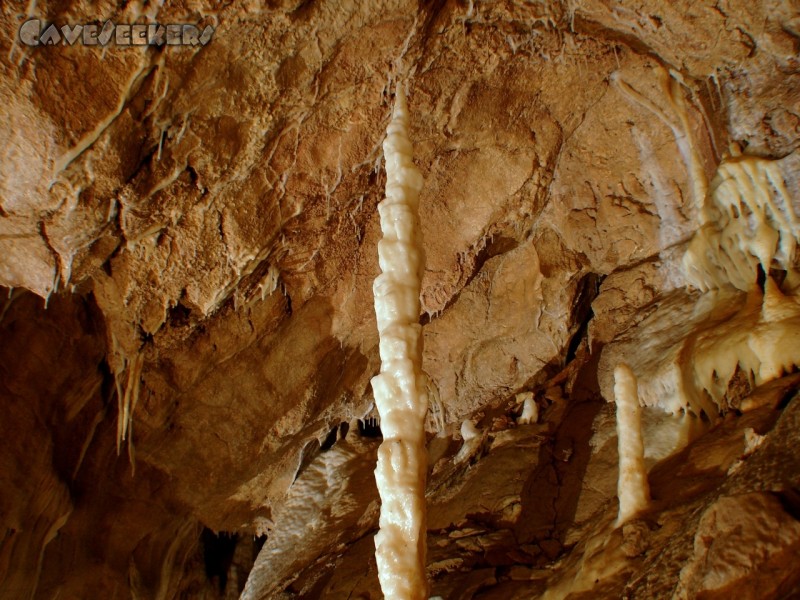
x=35, y=32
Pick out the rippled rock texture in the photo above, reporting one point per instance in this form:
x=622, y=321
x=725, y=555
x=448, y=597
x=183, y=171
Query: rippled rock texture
x=187, y=247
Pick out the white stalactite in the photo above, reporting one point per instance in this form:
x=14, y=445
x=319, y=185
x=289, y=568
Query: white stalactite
x=747, y=220
x=399, y=389
x=632, y=487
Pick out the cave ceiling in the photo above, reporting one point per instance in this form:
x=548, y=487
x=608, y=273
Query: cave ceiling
x=188, y=243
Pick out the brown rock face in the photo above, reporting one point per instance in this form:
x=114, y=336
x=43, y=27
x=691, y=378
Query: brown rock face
x=187, y=247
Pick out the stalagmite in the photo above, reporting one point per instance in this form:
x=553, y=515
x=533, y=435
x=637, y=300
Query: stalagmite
x=468, y=431
x=530, y=410
x=400, y=391
x=685, y=360
x=632, y=487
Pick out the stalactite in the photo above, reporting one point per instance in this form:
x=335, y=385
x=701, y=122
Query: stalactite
x=747, y=220
x=400, y=389
x=127, y=399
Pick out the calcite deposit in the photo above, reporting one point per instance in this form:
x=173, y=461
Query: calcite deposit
x=188, y=243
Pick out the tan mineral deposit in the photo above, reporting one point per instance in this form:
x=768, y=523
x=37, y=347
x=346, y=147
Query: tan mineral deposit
x=447, y=299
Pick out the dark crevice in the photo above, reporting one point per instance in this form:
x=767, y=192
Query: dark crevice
x=221, y=228
x=179, y=315
x=145, y=337
x=369, y=428
x=338, y=432
x=218, y=555
x=582, y=313
x=288, y=308
x=790, y=500
x=787, y=398
x=258, y=544
x=108, y=385
x=580, y=335
x=761, y=277
x=330, y=439
x=193, y=176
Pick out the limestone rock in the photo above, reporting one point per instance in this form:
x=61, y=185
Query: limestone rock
x=187, y=248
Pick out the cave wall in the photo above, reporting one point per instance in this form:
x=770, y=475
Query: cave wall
x=194, y=229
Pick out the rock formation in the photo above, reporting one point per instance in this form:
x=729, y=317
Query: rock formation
x=188, y=241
